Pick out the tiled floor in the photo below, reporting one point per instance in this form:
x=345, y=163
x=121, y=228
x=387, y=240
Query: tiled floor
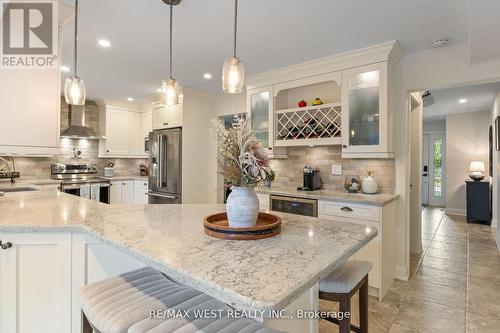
x=454, y=285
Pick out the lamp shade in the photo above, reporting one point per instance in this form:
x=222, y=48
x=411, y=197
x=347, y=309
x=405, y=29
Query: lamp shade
x=476, y=166
x=170, y=92
x=74, y=91
x=233, y=76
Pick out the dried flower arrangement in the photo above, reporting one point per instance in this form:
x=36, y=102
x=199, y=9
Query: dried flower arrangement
x=242, y=160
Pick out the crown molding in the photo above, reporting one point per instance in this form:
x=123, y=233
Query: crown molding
x=389, y=51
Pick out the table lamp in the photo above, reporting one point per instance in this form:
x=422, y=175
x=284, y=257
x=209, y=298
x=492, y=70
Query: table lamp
x=477, y=169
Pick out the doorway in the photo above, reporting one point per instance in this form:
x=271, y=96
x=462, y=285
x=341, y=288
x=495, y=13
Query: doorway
x=433, y=169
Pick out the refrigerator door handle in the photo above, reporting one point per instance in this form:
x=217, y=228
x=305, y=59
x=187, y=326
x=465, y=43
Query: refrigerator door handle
x=153, y=194
x=159, y=164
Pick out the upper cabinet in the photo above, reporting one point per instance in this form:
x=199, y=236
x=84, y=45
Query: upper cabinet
x=355, y=112
x=124, y=132
x=30, y=108
x=260, y=105
x=167, y=116
x=366, y=116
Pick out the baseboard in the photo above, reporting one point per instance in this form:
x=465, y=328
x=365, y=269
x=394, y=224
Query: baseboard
x=455, y=211
x=494, y=223
x=402, y=272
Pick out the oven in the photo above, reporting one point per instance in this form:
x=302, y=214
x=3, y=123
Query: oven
x=98, y=191
x=293, y=205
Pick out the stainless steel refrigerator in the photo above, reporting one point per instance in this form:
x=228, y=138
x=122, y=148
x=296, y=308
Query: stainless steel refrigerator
x=165, y=164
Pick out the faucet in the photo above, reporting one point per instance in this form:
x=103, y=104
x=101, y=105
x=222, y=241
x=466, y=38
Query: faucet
x=11, y=171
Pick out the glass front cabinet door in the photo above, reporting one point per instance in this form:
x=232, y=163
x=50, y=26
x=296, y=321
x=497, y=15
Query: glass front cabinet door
x=365, y=113
x=260, y=106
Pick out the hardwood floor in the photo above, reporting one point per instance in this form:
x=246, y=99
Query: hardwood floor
x=454, y=284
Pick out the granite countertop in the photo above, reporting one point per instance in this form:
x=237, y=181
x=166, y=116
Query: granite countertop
x=133, y=177
x=380, y=199
x=248, y=275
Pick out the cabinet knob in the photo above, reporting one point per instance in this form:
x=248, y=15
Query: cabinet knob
x=5, y=246
x=123, y=184
x=344, y=146
x=107, y=150
x=145, y=184
x=165, y=124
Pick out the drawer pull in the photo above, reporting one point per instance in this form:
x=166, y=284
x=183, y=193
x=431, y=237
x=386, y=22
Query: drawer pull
x=346, y=209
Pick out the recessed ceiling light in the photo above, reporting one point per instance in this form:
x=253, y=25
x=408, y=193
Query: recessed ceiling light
x=462, y=101
x=65, y=69
x=207, y=76
x=104, y=43
x=158, y=90
x=130, y=99
x=443, y=42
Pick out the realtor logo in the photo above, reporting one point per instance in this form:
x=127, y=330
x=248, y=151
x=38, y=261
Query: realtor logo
x=29, y=34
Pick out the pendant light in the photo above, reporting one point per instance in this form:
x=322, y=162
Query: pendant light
x=74, y=87
x=170, y=89
x=233, y=72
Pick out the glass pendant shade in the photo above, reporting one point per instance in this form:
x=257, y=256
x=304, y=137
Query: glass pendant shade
x=233, y=76
x=74, y=91
x=170, y=92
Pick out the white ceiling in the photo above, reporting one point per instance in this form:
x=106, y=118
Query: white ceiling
x=272, y=34
x=479, y=98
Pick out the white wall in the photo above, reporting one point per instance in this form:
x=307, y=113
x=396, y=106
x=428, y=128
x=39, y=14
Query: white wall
x=434, y=125
x=495, y=112
x=196, y=124
x=466, y=141
x=429, y=69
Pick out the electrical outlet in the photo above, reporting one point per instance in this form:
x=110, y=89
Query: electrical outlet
x=336, y=169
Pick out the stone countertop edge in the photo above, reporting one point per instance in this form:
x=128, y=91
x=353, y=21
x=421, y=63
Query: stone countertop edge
x=117, y=178
x=179, y=276
x=379, y=199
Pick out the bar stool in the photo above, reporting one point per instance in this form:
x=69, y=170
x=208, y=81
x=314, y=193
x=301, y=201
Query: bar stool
x=134, y=303
x=340, y=286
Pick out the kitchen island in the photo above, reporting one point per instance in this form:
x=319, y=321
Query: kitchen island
x=276, y=273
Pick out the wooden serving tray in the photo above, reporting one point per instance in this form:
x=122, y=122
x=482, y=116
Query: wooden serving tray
x=217, y=225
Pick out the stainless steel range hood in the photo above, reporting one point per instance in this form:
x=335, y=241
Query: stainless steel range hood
x=77, y=128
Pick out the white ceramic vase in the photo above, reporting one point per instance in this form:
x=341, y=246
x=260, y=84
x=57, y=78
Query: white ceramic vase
x=369, y=185
x=242, y=207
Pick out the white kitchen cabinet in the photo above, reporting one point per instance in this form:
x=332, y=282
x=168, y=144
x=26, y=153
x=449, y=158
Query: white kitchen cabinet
x=117, y=127
x=260, y=106
x=367, y=112
x=167, y=116
x=140, y=190
x=121, y=192
x=127, y=192
x=35, y=283
x=123, y=130
x=146, y=123
x=115, y=192
x=30, y=108
x=380, y=251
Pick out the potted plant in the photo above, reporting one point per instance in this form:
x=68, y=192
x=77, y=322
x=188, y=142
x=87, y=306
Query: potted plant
x=245, y=165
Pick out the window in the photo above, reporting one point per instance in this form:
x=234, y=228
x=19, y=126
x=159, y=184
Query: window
x=437, y=160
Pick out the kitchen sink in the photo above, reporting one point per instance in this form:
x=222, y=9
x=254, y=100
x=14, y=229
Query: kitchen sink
x=17, y=189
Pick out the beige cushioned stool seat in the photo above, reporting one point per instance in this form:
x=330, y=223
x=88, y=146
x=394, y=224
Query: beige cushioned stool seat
x=122, y=304
x=346, y=277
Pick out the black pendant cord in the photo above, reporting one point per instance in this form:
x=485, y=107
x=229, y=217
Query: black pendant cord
x=235, y=25
x=170, y=57
x=75, y=72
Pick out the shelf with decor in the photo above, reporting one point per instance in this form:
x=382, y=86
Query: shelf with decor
x=316, y=125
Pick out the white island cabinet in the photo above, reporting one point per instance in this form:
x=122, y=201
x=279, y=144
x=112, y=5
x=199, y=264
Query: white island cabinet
x=35, y=283
x=121, y=192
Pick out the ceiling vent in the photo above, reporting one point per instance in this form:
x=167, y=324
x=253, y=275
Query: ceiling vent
x=440, y=42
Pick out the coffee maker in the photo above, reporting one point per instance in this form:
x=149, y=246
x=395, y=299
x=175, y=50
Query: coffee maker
x=312, y=180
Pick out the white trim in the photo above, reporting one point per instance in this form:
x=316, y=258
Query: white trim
x=402, y=272
x=494, y=223
x=455, y=211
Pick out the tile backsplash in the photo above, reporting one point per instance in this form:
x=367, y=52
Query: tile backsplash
x=289, y=171
x=39, y=167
